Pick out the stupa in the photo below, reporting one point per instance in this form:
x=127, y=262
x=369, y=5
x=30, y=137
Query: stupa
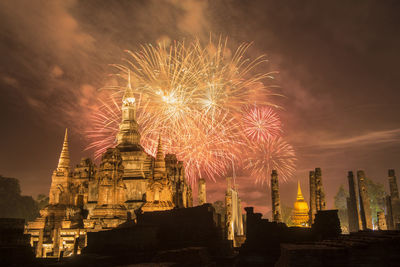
x=300, y=210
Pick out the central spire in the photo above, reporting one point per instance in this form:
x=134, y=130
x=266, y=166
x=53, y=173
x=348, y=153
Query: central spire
x=129, y=97
x=299, y=194
x=63, y=162
x=128, y=135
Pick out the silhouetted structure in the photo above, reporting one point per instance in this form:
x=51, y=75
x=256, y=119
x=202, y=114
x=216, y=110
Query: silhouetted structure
x=164, y=236
x=352, y=207
x=202, y=193
x=313, y=197
x=326, y=224
x=389, y=213
x=319, y=189
x=372, y=248
x=365, y=210
x=394, y=197
x=394, y=191
x=276, y=203
x=14, y=245
x=263, y=238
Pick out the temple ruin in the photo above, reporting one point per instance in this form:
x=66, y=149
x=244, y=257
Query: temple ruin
x=88, y=198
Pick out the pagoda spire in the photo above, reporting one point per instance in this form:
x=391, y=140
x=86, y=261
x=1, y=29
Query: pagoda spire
x=300, y=215
x=159, y=168
x=63, y=162
x=160, y=150
x=299, y=194
x=129, y=97
x=128, y=134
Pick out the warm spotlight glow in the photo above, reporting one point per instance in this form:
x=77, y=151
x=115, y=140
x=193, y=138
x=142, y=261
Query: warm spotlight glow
x=129, y=101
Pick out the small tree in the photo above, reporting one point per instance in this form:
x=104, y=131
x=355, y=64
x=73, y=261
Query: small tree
x=42, y=201
x=341, y=205
x=287, y=214
x=376, y=193
x=219, y=207
x=13, y=204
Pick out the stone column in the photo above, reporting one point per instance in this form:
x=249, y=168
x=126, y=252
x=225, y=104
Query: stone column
x=321, y=204
x=313, y=198
x=202, y=192
x=381, y=221
x=39, y=246
x=394, y=194
x=365, y=209
x=56, y=242
x=228, y=184
x=394, y=191
x=228, y=207
x=352, y=208
x=350, y=215
x=276, y=206
x=389, y=213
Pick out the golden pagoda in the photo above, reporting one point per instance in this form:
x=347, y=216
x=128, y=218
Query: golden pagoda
x=300, y=210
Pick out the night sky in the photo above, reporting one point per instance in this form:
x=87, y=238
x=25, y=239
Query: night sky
x=338, y=64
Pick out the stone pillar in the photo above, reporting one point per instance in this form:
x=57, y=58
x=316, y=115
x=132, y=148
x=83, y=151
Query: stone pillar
x=39, y=247
x=276, y=206
x=394, y=191
x=352, y=207
x=250, y=223
x=228, y=183
x=365, y=209
x=228, y=208
x=202, y=192
x=56, y=242
x=313, y=198
x=394, y=194
x=321, y=204
x=350, y=215
x=389, y=213
x=381, y=221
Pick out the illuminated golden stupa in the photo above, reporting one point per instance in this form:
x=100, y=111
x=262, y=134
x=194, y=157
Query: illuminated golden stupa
x=300, y=210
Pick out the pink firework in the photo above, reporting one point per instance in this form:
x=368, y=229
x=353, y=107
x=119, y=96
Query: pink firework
x=261, y=123
x=207, y=149
x=274, y=154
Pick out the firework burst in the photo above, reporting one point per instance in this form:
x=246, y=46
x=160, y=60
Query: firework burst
x=209, y=150
x=261, y=123
x=275, y=154
x=197, y=99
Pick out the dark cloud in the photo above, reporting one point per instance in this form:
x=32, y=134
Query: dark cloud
x=337, y=63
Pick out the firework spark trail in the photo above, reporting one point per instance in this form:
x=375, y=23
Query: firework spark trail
x=208, y=151
x=198, y=100
x=261, y=123
x=275, y=154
